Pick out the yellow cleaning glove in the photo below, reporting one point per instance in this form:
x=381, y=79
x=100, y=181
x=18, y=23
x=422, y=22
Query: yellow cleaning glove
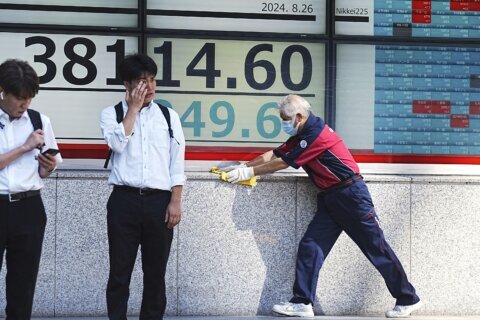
x=252, y=182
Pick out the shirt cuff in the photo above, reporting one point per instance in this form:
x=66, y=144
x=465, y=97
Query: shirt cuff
x=120, y=133
x=178, y=180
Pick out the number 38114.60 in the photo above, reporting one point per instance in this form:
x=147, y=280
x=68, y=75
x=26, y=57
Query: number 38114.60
x=207, y=52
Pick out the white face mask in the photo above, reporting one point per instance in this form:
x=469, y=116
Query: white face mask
x=288, y=127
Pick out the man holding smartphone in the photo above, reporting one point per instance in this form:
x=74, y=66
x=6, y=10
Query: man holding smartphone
x=22, y=168
x=51, y=151
x=147, y=177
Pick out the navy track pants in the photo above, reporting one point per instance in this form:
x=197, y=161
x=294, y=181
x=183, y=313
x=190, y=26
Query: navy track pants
x=351, y=210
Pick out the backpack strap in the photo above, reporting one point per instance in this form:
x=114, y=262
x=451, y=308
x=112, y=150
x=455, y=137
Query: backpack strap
x=119, y=111
x=119, y=114
x=35, y=118
x=166, y=114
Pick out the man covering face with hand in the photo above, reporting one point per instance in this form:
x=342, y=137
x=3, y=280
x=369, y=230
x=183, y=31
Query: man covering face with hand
x=147, y=178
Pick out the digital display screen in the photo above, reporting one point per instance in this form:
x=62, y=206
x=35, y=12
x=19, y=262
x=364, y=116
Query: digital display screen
x=390, y=99
x=77, y=77
x=413, y=18
x=86, y=13
x=226, y=91
x=427, y=100
x=299, y=16
x=416, y=99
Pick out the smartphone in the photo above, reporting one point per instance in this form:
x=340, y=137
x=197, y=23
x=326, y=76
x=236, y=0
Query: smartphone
x=52, y=152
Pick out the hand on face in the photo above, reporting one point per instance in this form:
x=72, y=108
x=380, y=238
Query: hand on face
x=140, y=92
x=135, y=98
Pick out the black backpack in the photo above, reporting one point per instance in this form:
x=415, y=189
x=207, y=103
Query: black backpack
x=35, y=119
x=119, y=113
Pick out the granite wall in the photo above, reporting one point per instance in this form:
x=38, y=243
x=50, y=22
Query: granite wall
x=234, y=251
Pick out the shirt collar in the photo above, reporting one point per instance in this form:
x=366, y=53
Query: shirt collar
x=125, y=105
x=25, y=115
x=6, y=117
x=312, y=122
x=3, y=114
x=3, y=119
x=148, y=106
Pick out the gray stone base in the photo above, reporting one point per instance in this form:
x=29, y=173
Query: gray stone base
x=234, y=251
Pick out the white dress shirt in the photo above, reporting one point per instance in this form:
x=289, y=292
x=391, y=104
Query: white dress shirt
x=22, y=174
x=148, y=158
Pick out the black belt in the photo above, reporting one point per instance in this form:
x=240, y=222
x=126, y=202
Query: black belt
x=12, y=197
x=342, y=184
x=140, y=191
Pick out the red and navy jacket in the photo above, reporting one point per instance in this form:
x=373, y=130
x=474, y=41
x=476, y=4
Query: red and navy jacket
x=320, y=152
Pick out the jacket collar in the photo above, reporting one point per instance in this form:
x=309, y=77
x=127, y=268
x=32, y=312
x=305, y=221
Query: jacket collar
x=312, y=122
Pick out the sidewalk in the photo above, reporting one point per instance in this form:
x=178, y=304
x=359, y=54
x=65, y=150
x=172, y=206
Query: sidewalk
x=323, y=318
x=277, y=318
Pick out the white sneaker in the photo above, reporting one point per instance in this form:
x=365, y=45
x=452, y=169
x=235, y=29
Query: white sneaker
x=403, y=311
x=293, y=309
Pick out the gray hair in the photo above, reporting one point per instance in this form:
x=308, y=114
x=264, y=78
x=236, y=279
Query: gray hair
x=292, y=104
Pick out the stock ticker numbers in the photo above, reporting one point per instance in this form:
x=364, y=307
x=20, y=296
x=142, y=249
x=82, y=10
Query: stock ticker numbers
x=222, y=113
x=227, y=91
x=78, y=68
x=74, y=58
x=427, y=100
x=210, y=73
x=87, y=70
x=434, y=18
x=193, y=69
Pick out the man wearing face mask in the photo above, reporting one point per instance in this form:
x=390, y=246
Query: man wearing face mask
x=343, y=204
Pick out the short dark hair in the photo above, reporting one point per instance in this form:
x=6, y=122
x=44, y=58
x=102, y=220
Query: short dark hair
x=18, y=78
x=136, y=65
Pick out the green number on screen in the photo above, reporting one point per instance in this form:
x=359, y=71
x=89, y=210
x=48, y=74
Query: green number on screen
x=228, y=121
x=274, y=120
x=196, y=124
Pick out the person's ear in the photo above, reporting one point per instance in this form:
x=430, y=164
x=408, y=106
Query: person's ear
x=298, y=117
x=1, y=93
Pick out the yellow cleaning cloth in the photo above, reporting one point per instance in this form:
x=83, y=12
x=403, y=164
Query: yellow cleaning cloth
x=252, y=182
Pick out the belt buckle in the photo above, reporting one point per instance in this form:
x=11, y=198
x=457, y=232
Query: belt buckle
x=10, y=198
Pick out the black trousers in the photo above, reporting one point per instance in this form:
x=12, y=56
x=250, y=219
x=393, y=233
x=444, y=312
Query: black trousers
x=134, y=220
x=22, y=226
